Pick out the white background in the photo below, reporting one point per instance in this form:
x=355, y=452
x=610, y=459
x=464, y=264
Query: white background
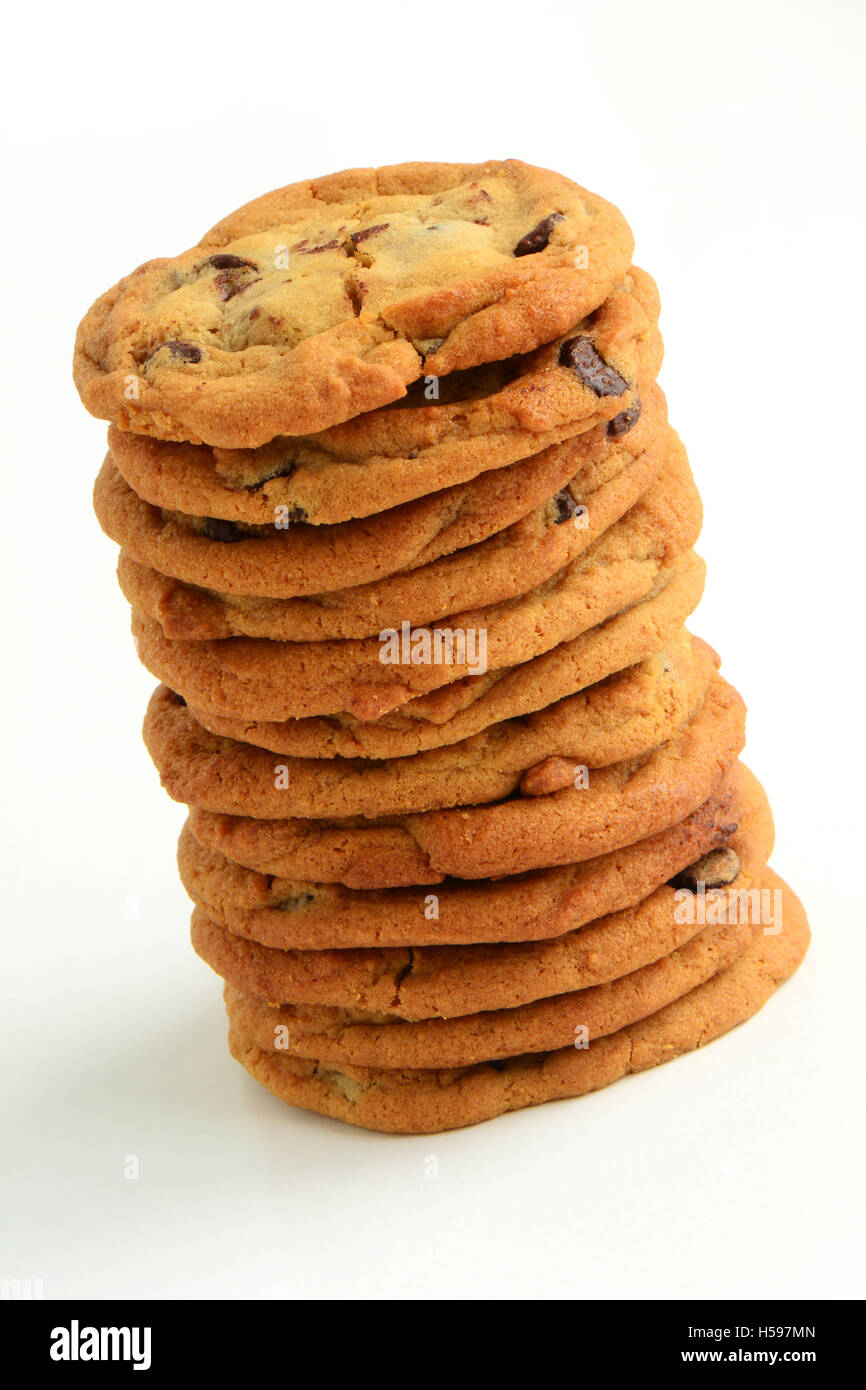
x=732, y=138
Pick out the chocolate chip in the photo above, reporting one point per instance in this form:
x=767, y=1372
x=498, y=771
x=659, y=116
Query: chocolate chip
x=625, y=421
x=566, y=507
x=714, y=870
x=537, y=239
x=580, y=354
x=187, y=352
x=293, y=515
x=229, y=284
x=287, y=471
x=304, y=250
x=176, y=699
x=216, y=529
x=224, y=261
x=368, y=232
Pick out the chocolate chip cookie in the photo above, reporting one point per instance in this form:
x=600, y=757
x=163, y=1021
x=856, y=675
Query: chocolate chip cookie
x=466, y=707
x=620, y=804
x=505, y=566
x=443, y=433
x=522, y=910
x=623, y=717
x=425, y=1101
x=369, y=677
x=325, y=299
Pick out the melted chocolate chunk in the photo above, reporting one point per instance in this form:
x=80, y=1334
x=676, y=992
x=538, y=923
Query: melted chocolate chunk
x=186, y=352
x=229, y=284
x=625, y=421
x=566, y=507
x=216, y=529
x=537, y=239
x=368, y=232
x=304, y=250
x=224, y=261
x=580, y=354
x=714, y=870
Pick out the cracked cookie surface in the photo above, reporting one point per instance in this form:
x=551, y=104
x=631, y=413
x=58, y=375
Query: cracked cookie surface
x=474, y=422
x=329, y=297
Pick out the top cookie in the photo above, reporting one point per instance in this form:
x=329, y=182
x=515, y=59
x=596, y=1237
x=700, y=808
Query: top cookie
x=326, y=298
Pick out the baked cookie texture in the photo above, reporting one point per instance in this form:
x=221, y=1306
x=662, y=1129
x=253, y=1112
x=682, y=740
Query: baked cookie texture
x=426, y=1101
x=325, y=299
x=274, y=679
x=524, y=909
x=446, y=431
x=227, y=579
x=408, y=541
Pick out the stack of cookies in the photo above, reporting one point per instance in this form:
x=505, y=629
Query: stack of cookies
x=408, y=540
